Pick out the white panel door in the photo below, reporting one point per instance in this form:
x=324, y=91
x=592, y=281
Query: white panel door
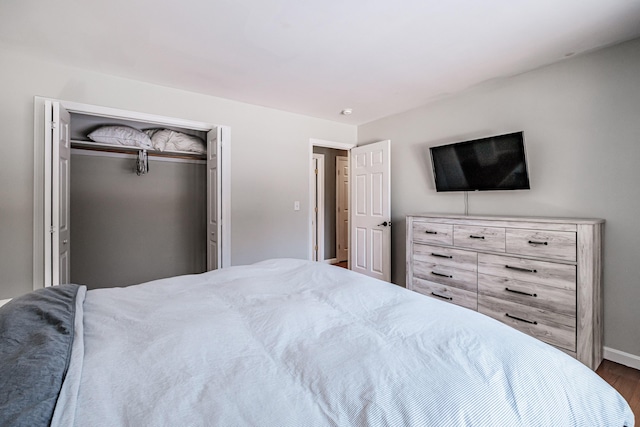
x=214, y=191
x=371, y=210
x=59, y=220
x=342, y=208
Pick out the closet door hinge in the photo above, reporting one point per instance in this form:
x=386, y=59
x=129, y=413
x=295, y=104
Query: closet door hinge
x=52, y=229
x=53, y=125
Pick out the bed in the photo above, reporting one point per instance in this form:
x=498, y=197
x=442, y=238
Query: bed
x=282, y=343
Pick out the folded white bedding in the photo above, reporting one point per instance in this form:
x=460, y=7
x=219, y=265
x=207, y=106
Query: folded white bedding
x=296, y=343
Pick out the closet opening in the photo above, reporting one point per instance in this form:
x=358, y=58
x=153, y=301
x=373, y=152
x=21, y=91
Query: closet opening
x=114, y=213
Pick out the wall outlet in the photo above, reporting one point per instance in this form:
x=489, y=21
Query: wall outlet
x=296, y=205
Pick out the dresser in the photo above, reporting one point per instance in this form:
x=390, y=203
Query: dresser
x=539, y=275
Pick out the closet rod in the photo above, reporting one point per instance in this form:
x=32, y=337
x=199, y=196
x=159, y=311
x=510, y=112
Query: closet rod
x=123, y=149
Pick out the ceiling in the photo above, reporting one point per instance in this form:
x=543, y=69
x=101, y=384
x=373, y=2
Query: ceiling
x=316, y=57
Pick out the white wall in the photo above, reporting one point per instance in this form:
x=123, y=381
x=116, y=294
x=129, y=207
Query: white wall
x=581, y=120
x=269, y=153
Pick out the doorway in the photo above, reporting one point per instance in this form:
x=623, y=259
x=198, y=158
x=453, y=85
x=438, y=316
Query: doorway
x=330, y=210
x=329, y=194
x=369, y=242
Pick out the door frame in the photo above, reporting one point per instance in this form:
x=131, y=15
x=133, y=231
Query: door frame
x=40, y=155
x=317, y=207
x=313, y=142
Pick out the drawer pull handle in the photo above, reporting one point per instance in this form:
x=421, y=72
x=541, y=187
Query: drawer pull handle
x=441, y=296
x=476, y=237
x=527, y=270
x=533, y=242
x=431, y=232
x=440, y=255
x=520, y=319
x=441, y=275
x=520, y=292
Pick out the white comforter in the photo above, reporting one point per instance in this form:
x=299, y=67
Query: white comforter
x=295, y=343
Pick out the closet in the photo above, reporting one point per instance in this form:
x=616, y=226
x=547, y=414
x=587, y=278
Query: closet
x=115, y=213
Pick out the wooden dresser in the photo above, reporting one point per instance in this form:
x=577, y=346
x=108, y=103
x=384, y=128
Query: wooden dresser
x=540, y=275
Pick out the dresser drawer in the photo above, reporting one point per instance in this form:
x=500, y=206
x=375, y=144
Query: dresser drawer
x=552, y=328
x=544, y=244
x=543, y=272
x=465, y=260
x=432, y=232
x=483, y=238
x=548, y=298
x=446, y=293
x=445, y=275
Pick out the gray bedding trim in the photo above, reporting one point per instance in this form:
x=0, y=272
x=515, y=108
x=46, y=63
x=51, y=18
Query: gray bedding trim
x=36, y=338
x=64, y=412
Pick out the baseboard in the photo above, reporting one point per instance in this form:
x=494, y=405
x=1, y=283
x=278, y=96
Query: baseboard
x=622, y=358
x=4, y=301
x=331, y=261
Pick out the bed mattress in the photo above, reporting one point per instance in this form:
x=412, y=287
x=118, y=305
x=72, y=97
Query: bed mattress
x=298, y=343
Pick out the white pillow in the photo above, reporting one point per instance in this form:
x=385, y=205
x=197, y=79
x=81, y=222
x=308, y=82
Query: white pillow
x=121, y=135
x=151, y=132
x=158, y=137
x=170, y=140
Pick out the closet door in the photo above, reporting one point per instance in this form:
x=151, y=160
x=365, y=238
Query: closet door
x=214, y=194
x=57, y=164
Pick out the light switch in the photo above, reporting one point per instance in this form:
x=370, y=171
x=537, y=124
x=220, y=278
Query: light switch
x=296, y=205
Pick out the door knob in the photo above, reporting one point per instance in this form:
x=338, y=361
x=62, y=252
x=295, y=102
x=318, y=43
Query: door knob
x=384, y=224
x=64, y=242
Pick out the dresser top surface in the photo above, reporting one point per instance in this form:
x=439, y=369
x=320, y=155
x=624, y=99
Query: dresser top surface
x=539, y=219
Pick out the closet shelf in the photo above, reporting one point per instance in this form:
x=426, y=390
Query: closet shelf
x=125, y=149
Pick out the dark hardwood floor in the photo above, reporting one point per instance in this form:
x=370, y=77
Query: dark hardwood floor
x=624, y=379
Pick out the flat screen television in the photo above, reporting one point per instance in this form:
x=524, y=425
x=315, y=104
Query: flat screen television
x=493, y=163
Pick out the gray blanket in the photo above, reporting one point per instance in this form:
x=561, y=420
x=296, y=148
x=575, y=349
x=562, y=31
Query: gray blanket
x=36, y=334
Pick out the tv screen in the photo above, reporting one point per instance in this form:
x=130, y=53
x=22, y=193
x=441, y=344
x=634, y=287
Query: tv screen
x=493, y=163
